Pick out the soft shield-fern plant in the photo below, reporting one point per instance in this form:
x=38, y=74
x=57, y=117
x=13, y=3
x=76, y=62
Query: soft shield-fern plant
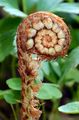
x=58, y=73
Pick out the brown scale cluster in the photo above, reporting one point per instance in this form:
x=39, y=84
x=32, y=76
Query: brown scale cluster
x=47, y=36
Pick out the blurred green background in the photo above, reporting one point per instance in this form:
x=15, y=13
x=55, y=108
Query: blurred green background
x=60, y=76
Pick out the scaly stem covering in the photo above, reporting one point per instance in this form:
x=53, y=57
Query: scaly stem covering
x=47, y=36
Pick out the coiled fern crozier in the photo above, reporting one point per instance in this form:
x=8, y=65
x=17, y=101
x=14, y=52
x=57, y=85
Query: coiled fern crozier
x=47, y=36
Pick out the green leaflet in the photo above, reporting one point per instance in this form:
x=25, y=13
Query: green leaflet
x=70, y=108
x=49, y=91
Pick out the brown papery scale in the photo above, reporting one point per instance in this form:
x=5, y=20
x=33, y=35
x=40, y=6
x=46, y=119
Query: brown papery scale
x=47, y=36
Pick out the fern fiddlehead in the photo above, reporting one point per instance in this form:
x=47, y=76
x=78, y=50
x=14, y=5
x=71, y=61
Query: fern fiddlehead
x=47, y=36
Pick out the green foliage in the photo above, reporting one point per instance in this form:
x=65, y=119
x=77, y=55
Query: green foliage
x=67, y=8
x=14, y=83
x=75, y=38
x=58, y=6
x=11, y=97
x=9, y=3
x=49, y=91
x=73, y=75
x=29, y=5
x=71, y=62
x=56, y=67
x=70, y=108
x=46, y=5
x=7, y=36
x=48, y=71
x=12, y=7
x=1, y=94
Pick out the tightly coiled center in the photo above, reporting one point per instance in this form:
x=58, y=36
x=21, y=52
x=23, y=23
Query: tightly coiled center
x=46, y=34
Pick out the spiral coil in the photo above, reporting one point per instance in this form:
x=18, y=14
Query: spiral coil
x=47, y=36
